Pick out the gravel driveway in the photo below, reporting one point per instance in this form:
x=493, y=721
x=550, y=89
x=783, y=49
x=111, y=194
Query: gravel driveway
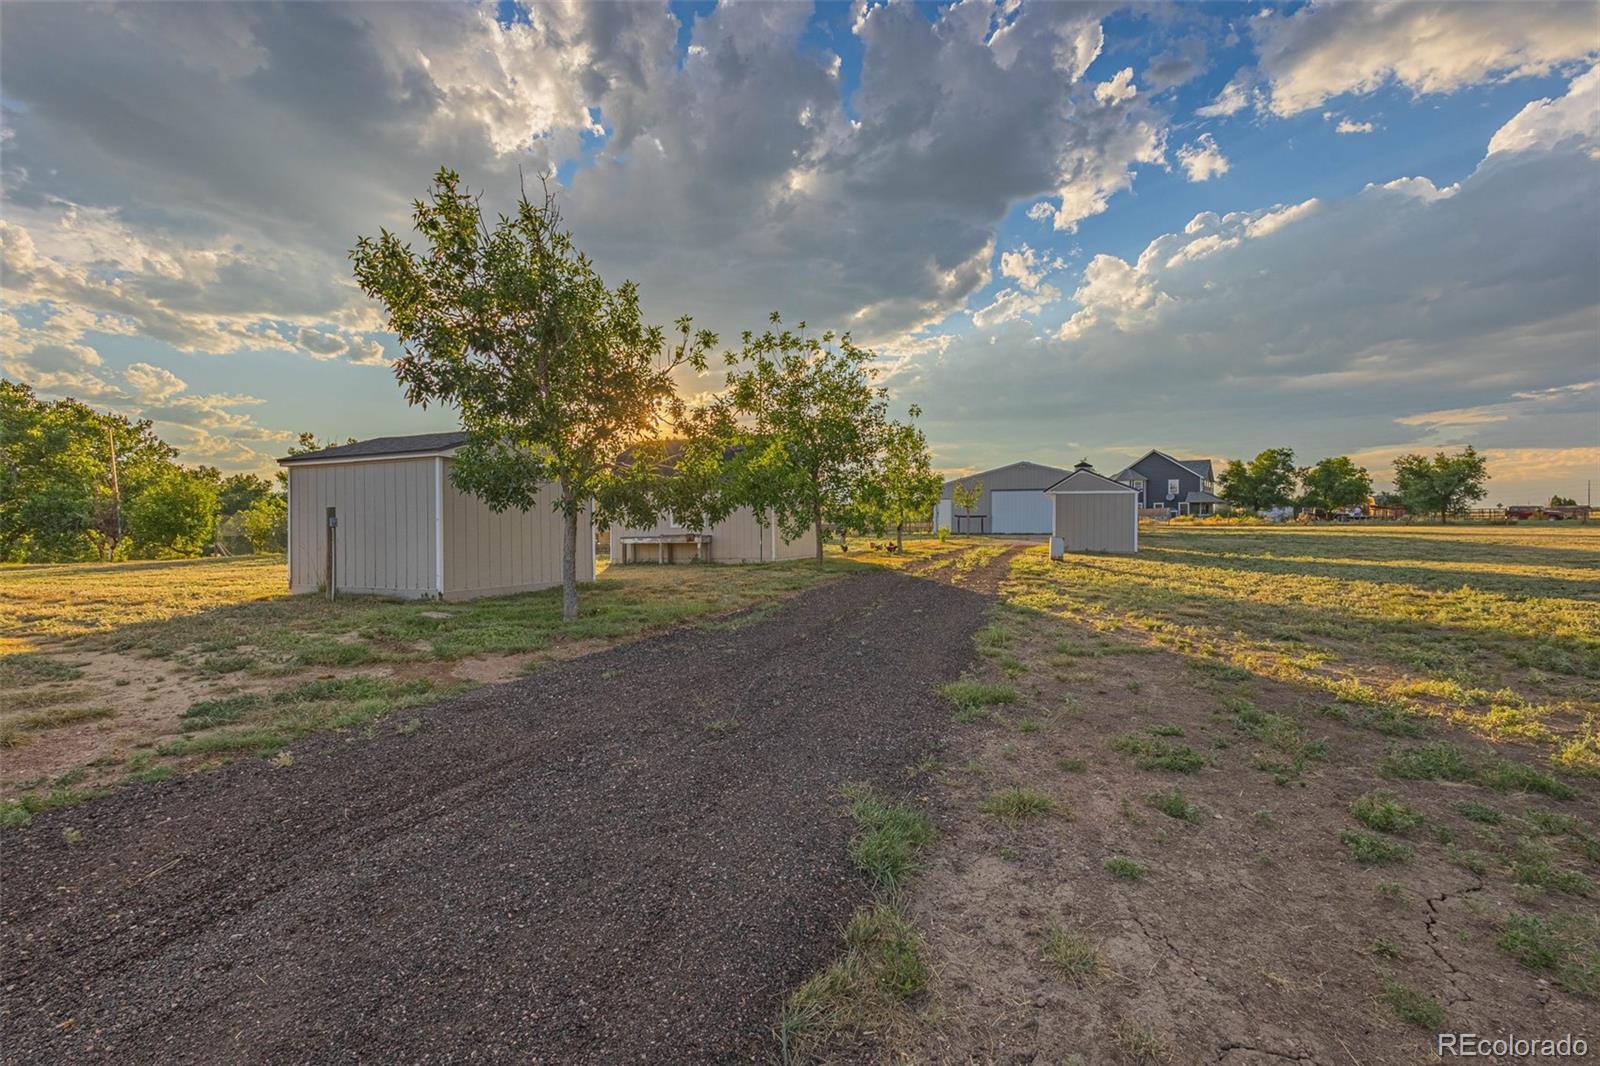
x=627, y=857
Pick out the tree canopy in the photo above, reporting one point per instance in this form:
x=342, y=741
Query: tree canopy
x=1266, y=481
x=812, y=426
x=967, y=495
x=1444, y=484
x=554, y=374
x=1334, y=483
x=904, y=483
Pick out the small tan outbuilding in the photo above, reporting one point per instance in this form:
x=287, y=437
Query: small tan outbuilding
x=382, y=517
x=1093, y=514
x=739, y=538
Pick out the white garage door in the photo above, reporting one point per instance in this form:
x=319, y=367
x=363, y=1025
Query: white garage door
x=1020, y=511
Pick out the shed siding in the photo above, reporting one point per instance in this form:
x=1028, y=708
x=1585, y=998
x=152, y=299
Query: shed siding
x=739, y=538
x=488, y=554
x=384, y=543
x=1097, y=521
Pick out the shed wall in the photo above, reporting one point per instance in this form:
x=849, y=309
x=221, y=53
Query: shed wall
x=739, y=538
x=384, y=543
x=1098, y=522
x=488, y=554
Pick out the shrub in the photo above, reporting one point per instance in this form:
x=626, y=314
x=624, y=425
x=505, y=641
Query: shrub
x=1368, y=848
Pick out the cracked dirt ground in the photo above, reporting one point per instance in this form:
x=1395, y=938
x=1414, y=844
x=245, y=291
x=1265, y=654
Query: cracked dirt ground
x=1253, y=936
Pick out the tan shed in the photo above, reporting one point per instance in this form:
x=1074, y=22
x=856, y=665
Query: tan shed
x=739, y=538
x=382, y=517
x=1093, y=514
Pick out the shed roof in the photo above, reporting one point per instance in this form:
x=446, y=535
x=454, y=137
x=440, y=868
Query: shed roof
x=1084, y=479
x=383, y=447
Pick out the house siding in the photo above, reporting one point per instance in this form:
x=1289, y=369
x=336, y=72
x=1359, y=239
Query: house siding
x=489, y=554
x=1157, y=470
x=384, y=542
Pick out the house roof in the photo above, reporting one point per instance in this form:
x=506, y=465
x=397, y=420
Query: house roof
x=1203, y=497
x=1086, y=474
x=1201, y=468
x=382, y=447
x=981, y=474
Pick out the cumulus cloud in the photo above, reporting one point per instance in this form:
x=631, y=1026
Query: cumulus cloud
x=1203, y=160
x=722, y=177
x=1375, y=322
x=1350, y=125
x=1547, y=123
x=1328, y=49
x=1232, y=98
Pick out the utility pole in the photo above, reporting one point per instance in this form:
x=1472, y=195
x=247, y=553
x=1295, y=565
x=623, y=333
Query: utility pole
x=116, y=491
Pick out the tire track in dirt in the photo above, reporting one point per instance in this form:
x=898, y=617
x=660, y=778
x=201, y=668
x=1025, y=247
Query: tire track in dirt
x=630, y=856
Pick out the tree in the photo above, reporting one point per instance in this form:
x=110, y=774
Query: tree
x=904, y=483
x=1334, y=483
x=1443, y=485
x=240, y=492
x=814, y=425
x=553, y=373
x=967, y=495
x=1266, y=481
x=1562, y=501
x=266, y=523
x=174, y=516
x=65, y=472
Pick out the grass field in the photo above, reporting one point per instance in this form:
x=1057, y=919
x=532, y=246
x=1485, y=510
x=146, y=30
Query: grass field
x=136, y=671
x=1346, y=778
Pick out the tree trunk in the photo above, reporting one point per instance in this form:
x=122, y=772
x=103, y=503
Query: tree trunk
x=816, y=521
x=569, y=554
x=900, y=536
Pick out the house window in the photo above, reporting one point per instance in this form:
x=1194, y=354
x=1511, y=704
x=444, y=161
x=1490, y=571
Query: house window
x=1172, y=488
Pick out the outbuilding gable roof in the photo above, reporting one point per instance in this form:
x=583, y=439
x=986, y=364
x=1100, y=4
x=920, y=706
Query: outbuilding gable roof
x=1048, y=471
x=383, y=447
x=1080, y=476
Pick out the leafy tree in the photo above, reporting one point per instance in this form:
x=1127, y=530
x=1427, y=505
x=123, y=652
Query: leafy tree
x=967, y=495
x=61, y=495
x=174, y=516
x=266, y=523
x=304, y=443
x=904, y=483
x=554, y=373
x=1266, y=481
x=814, y=425
x=1562, y=501
x=1444, y=484
x=240, y=492
x=1334, y=483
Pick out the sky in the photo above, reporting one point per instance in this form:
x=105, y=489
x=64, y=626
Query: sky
x=1069, y=230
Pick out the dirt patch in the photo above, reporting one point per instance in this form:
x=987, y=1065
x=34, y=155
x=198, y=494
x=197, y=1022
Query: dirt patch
x=630, y=856
x=1251, y=933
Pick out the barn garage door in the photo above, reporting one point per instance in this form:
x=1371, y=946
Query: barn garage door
x=1021, y=511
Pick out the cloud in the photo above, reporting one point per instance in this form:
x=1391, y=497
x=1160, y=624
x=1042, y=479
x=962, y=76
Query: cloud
x=1547, y=123
x=1119, y=89
x=215, y=196
x=153, y=384
x=1233, y=97
x=1348, y=125
x=1380, y=320
x=1176, y=65
x=1326, y=49
x=1203, y=160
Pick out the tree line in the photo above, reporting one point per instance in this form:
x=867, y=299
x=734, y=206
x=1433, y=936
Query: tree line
x=78, y=484
x=1442, y=484
x=558, y=380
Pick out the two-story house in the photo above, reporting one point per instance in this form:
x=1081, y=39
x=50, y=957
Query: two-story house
x=1177, y=486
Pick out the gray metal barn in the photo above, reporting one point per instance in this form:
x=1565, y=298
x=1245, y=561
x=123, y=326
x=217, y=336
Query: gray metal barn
x=1013, y=500
x=381, y=517
x=1091, y=513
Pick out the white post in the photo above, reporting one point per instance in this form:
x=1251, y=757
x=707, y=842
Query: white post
x=438, y=525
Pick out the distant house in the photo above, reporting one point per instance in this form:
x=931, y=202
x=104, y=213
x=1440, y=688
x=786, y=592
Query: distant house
x=1177, y=486
x=381, y=517
x=1013, y=500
